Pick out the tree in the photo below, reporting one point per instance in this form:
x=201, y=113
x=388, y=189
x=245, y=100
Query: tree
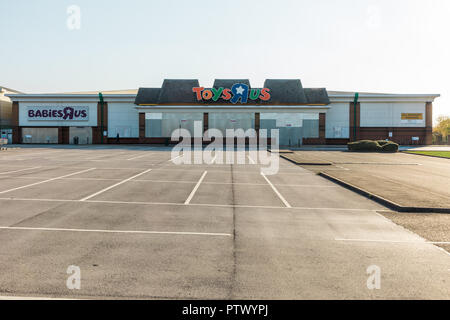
x=442, y=126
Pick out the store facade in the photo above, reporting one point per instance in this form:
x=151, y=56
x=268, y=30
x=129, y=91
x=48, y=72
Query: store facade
x=150, y=115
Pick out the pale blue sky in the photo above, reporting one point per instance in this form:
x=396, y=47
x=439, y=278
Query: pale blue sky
x=399, y=46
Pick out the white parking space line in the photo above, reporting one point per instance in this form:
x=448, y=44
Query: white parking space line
x=19, y=170
x=277, y=192
x=174, y=158
x=31, y=298
x=251, y=160
x=115, y=185
x=191, y=204
x=187, y=181
x=45, y=181
x=340, y=167
x=120, y=231
x=188, y=200
x=213, y=160
x=393, y=241
x=138, y=157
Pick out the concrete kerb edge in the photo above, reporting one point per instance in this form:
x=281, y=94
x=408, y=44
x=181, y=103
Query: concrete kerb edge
x=387, y=203
x=306, y=163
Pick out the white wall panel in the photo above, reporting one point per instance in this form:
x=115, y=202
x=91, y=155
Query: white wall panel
x=337, y=121
x=123, y=118
x=390, y=114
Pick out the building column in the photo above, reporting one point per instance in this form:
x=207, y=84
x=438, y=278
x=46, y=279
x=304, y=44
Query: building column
x=17, y=131
x=141, y=127
x=205, y=127
x=354, y=126
x=99, y=131
x=322, y=126
x=429, y=123
x=257, y=125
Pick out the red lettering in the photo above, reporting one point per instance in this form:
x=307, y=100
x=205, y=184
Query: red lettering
x=265, y=95
x=198, y=92
x=207, y=94
x=226, y=94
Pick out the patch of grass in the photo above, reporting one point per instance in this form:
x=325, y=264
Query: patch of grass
x=440, y=154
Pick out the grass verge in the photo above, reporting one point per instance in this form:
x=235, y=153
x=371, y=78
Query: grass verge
x=440, y=154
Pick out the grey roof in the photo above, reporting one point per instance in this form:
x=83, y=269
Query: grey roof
x=285, y=91
x=178, y=91
x=317, y=96
x=147, y=96
x=282, y=91
x=228, y=83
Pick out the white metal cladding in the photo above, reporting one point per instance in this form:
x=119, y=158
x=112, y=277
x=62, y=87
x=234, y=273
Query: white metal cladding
x=123, y=119
x=390, y=114
x=24, y=121
x=40, y=135
x=337, y=121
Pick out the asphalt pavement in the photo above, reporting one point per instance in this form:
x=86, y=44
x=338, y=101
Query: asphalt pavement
x=137, y=225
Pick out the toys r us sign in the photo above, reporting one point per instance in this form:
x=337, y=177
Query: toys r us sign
x=238, y=92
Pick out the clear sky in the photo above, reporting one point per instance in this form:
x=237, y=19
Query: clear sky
x=392, y=46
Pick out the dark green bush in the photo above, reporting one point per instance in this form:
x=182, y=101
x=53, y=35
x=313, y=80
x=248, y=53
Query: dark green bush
x=373, y=146
x=389, y=147
x=364, y=146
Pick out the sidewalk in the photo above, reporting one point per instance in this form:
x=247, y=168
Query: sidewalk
x=403, y=182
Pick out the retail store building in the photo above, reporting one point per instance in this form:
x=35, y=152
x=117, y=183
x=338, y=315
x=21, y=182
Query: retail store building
x=150, y=115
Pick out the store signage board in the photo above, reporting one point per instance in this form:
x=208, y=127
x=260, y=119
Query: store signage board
x=58, y=113
x=412, y=116
x=239, y=92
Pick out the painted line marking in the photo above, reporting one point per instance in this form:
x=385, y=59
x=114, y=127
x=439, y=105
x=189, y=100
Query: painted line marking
x=346, y=169
x=188, y=200
x=115, y=185
x=393, y=241
x=19, y=170
x=251, y=160
x=185, y=181
x=120, y=231
x=213, y=160
x=276, y=191
x=171, y=160
x=138, y=157
x=191, y=204
x=32, y=298
x=45, y=181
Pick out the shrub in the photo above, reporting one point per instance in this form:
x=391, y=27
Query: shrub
x=389, y=147
x=365, y=146
x=382, y=142
x=373, y=146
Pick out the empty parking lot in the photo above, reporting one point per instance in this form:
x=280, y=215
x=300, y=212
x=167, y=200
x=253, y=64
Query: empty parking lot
x=139, y=226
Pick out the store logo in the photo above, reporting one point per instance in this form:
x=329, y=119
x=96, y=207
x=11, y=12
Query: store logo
x=58, y=113
x=238, y=92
